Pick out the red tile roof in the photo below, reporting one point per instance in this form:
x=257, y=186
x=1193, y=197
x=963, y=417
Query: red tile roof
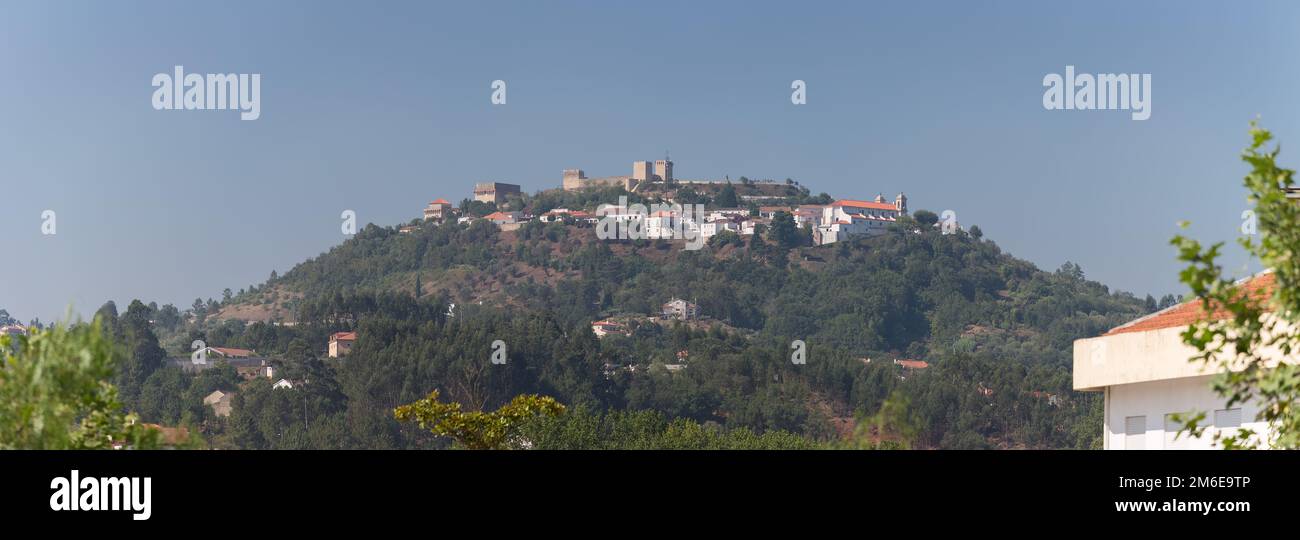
x=229, y=351
x=913, y=364
x=344, y=336
x=1259, y=287
x=440, y=201
x=865, y=204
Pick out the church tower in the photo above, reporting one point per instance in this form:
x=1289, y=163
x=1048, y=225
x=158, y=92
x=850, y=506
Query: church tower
x=901, y=203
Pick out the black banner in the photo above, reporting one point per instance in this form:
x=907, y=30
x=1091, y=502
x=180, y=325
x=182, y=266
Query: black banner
x=325, y=488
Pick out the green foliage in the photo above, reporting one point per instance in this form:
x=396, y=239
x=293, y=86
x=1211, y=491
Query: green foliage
x=1237, y=347
x=784, y=231
x=55, y=394
x=583, y=429
x=477, y=430
x=925, y=217
x=727, y=197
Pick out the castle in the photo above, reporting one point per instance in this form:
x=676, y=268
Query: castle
x=642, y=172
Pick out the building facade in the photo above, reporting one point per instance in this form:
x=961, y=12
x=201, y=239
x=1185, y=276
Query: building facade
x=438, y=210
x=341, y=343
x=1146, y=376
x=494, y=192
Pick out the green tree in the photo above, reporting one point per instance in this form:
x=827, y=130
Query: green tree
x=727, y=197
x=925, y=217
x=784, y=231
x=477, y=430
x=55, y=394
x=1237, y=346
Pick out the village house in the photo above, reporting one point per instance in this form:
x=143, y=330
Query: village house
x=911, y=364
x=1145, y=374
x=341, y=343
x=504, y=218
x=605, y=328
x=251, y=372
x=439, y=210
x=229, y=352
x=680, y=309
x=494, y=192
x=219, y=401
x=564, y=214
x=713, y=228
x=667, y=225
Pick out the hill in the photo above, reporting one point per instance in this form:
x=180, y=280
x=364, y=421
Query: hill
x=990, y=333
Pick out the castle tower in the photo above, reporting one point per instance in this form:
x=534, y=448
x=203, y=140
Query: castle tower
x=574, y=179
x=900, y=203
x=664, y=170
x=641, y=171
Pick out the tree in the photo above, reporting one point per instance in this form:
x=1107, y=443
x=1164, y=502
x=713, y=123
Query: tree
x=1237, y=347
x=727, y=197
x=477, y=430
x=54, y=392
x=925, y=217
x=976, y=233
x=784, y=231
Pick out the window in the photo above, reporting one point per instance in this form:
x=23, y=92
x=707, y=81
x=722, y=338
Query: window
x=1173, y=439
x=1135, y=432
x=1227, y=418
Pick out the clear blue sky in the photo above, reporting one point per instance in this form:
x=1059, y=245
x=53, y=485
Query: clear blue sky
x=382, y=107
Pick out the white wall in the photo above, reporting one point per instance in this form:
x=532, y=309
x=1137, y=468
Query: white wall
x=1155, y=399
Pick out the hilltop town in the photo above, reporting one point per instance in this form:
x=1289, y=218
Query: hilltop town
x=739, y=207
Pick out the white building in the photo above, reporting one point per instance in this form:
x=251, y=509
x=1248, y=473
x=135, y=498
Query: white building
x=843, y=219
x=1143, y=368
x=605, y=328
x=680, y=309
x=711, y=229
x=668, y=225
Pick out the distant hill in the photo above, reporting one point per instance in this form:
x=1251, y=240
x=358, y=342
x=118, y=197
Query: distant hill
x=994, y=331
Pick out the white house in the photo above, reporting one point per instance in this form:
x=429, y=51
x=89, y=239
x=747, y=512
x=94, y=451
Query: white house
x=711, y=229
x=605, y=328
x=843, y=219
x=1144, y=371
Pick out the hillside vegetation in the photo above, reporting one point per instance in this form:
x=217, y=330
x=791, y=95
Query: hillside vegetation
x=995, y=331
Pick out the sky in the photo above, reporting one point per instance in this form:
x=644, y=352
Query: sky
x=381, y=107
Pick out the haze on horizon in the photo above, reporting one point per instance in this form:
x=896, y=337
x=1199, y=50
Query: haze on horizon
x=382, y=110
